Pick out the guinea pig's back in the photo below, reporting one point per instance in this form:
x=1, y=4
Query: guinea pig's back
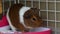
x=14, y=15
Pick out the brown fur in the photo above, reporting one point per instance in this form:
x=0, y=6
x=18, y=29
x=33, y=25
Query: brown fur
x=31, y=17
x=13, y=14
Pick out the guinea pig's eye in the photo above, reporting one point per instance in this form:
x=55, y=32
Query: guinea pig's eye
x=34, y=19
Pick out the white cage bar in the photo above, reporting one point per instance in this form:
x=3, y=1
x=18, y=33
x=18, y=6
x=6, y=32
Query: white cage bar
x=3, y=6
x=9, y=3
x=55, y=19
x=15, y=1
x=18, y=1
x=39, y=8
x=25, y=2
x=47, y=11
x=31, y=3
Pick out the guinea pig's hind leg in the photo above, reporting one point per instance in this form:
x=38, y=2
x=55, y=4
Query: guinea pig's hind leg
x=13, y=28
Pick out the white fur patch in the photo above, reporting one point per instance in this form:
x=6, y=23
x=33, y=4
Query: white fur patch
x=9, y=21
x=21, y=13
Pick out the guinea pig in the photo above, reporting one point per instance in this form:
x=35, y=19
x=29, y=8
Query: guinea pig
x=23, y=18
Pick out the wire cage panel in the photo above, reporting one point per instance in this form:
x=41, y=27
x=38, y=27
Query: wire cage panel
x=49, y=11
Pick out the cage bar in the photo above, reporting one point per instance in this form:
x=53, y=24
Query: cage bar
x=39, y=7
x=55, y=19
x=31, y=3
x=25, y=2
x=39, y=4
x=3, y=6
x=9, y=3
x=47, y=11
x=15, y=1
x=18, y=1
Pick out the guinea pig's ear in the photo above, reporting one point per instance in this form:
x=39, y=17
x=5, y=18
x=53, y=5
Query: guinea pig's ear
x=35, y=10
x=27, y=15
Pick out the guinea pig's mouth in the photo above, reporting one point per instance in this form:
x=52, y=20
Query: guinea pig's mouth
x=29, y=27
x=35, y=25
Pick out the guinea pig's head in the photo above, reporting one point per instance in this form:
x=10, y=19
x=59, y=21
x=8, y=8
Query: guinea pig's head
x=32, y=18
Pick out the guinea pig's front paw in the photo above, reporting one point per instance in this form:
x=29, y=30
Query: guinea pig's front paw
x=24, y=31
